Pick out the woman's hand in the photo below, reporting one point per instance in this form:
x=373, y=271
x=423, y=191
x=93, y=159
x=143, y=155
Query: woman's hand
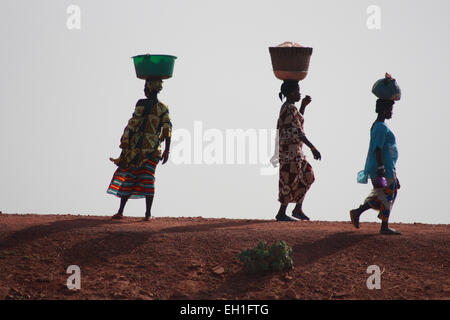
x=165, y=156
x=275, y=160
x=116, y=161
x=316, y=153
x=306, y=100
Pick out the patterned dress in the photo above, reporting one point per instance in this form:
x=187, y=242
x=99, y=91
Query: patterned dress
x=296, y=174
x=381, y=199
x=141, y=150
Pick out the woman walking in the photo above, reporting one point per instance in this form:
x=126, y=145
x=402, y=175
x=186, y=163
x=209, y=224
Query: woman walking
x=141, y=150
x=380, y=167
x=296, y=174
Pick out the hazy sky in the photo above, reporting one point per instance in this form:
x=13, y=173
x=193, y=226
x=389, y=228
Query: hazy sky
x=67, y=94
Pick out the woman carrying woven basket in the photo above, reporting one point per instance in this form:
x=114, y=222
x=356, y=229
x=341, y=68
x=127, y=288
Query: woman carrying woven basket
x=141, y=150
x=296, y=174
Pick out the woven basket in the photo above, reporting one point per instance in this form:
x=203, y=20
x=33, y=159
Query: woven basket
x=290, y=63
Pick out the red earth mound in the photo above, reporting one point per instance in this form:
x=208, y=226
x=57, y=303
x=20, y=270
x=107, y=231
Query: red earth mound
x=196, y=258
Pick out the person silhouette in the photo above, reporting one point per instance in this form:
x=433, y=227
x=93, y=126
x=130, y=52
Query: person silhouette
x=380, y=167
x=141, y=150
x=296, y=174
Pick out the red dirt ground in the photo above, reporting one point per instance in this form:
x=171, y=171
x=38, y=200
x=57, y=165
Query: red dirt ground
x=196, y=258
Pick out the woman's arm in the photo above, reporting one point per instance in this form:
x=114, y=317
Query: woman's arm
x=379, y=156
x=306, y=100
x=296, y=131
x=166, y=134
x=314, y=151
x=165, y=155
x=276, y=154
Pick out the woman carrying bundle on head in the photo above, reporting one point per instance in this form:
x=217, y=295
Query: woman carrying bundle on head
x=381, y=158
x=141, y=150
x=296, y=174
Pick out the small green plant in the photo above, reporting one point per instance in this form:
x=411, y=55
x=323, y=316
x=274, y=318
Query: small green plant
x=263, y=258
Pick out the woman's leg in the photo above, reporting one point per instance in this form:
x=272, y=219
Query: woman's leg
x=306, y=179
x=356, y=213
x=375, y=200
x=123, y=201
x=282, y=211
x=381, y=200
x=281, y=215
x=361, y=209
x=148, y=210
x=150, y=167
x=298, y=212
x=391, y=195
x=284, y=192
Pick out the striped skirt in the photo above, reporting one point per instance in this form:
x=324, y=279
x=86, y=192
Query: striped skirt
x=134, y=182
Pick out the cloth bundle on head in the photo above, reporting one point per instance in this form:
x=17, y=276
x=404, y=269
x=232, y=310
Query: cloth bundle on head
x=153, y=85
x=387, y=89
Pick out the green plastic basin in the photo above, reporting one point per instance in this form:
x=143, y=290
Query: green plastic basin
x=156, y=66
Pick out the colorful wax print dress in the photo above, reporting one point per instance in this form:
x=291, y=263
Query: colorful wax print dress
x=141, y=150
x=381, y=199
x=296, y=174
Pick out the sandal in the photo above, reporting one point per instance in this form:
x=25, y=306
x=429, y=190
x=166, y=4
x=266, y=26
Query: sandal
x=284, y=218
x=300, y=216
x=389, y=231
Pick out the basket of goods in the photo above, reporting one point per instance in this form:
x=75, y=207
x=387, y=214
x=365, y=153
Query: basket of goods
x=290, y=61
x=154, y=66
x=387, y=88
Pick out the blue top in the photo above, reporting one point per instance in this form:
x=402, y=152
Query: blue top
x=382, y=137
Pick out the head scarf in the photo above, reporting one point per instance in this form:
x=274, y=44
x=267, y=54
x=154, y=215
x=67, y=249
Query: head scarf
x=154, y=84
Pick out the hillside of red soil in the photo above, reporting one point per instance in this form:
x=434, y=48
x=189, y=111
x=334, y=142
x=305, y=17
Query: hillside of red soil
x=196, y=258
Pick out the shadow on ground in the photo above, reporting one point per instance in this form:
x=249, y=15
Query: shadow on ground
x=309, y=253
x=303, y=255
x=37, y=232
x=99, y=250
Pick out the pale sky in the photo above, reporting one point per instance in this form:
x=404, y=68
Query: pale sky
x=66, y=96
